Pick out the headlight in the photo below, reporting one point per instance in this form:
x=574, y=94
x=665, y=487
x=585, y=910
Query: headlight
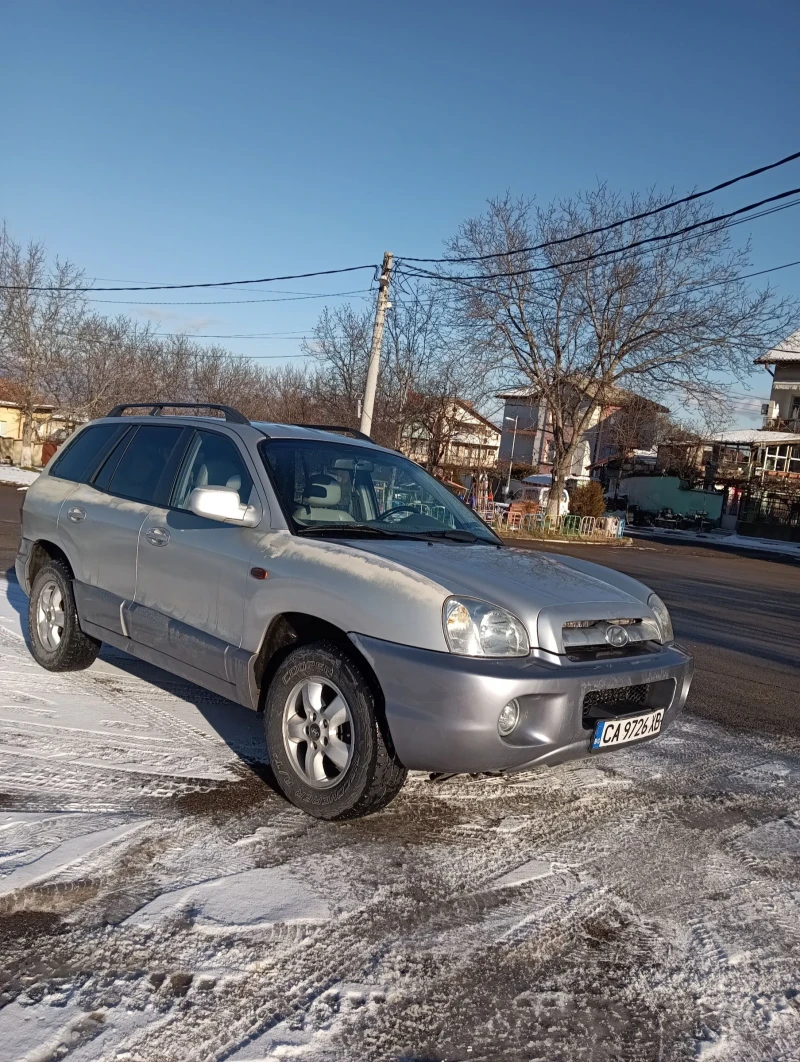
x=659, y=609
x=473, y=628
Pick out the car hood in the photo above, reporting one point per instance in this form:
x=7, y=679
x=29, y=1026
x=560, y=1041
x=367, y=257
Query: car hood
x=524, y=581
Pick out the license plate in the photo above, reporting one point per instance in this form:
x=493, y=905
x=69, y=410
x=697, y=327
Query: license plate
x=611, y=732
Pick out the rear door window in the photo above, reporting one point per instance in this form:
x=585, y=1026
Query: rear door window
x=144, y=468
x=102, y=477
x=84, y=453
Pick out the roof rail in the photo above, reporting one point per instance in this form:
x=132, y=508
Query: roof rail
x=337, y=428
x=156, y=409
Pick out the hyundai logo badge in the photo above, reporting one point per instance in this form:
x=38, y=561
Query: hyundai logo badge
x=616, y=636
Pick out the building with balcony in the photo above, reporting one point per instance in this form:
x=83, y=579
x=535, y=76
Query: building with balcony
x=453, y=437
x=527, y=438
x=782, y=412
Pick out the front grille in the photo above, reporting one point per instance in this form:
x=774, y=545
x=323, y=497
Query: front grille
x=578, y=636
x=599, y=704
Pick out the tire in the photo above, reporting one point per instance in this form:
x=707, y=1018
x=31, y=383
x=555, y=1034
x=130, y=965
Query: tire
x=58, y=646
x=327, y=748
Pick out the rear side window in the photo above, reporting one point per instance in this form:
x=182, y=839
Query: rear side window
x=83, y=453
x=144, y=463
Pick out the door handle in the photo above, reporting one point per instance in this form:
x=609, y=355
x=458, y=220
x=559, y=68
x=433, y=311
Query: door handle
x=157, y=536
x=76, y=514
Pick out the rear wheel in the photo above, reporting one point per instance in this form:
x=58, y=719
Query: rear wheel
x=57, y=641
x=325, y=742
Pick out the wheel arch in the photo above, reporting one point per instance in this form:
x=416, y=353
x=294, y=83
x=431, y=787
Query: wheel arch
x=289, y=631
x=40, y=553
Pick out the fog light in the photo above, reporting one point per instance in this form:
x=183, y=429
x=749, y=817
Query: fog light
x=508, y=718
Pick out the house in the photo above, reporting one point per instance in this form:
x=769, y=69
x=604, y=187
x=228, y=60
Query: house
x=782, y=412
x=609, y=471
x=756, y=471
x=770, y=504
x=451, y=435
x=527, y=437
x=47, y=424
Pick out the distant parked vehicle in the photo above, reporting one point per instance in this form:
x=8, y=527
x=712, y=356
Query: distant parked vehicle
x=536, y=490
x=378, y=624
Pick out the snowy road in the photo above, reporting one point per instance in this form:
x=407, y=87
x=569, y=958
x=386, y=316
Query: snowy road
x=158, y=901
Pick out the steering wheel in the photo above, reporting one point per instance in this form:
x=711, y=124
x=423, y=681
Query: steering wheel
x=398, y=509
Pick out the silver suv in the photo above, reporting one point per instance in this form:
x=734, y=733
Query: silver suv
x=333, y=585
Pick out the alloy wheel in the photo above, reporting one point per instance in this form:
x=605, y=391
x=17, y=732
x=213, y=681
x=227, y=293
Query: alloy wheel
x=50, y=615
x=318, y=732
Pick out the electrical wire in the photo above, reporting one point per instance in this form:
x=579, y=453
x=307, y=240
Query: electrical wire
x=622, y=221
x=678, y=291
x=229, y=302
x=476, y=258
x=205, y=284
x=585, y=259
x=621, y=251
x=235, y=335
x=271, y=357
x=427, y=274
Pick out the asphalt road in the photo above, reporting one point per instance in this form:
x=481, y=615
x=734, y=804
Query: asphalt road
x=739, y=616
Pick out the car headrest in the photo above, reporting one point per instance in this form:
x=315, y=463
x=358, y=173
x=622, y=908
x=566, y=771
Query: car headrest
x=323, y=492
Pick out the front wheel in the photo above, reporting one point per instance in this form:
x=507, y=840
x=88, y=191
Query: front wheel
x=325, y=742
x=57, y=641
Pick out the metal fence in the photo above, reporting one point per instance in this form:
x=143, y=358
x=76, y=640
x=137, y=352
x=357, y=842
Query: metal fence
x=570, y=526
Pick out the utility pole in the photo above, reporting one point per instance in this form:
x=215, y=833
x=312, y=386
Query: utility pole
x=382, y=306
x=511, y=459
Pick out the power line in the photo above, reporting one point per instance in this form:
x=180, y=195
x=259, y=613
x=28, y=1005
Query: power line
x=616, y=224
x=271, y=357
x=205, y=284
x=645, y=241
x=467, y=280
x=427, y=274
x=230, y=302
x=678, y=291
x=235, y=335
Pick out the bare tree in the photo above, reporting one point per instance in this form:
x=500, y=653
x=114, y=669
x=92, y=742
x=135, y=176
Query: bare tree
x=637, y=424
x=424, y=366
x=432, y=418
x=37, y=327
x=662, y=318
x=341, y=346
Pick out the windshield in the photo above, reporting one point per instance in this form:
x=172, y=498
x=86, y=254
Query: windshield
x=329, y=487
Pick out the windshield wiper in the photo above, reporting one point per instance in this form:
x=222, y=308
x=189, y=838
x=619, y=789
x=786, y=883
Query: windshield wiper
x=453, y=534
x=354, y=528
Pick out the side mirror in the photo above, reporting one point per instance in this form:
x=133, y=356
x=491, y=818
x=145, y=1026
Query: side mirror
x=222, y=503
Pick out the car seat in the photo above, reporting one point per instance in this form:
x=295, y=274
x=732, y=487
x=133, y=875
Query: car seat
x=324, y=495
x=218, y=474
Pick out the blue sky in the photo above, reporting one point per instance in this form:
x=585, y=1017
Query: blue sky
x=177, y=141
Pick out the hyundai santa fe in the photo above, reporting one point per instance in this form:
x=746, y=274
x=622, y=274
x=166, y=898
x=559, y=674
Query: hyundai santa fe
x=336, y=587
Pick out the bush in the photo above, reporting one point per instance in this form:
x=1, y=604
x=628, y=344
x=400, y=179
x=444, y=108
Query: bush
x=587, y=499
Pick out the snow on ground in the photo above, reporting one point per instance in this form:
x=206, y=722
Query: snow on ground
x=158, y=901
x=733, y=541
x=22, y=477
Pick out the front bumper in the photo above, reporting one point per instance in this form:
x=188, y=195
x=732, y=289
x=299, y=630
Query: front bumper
x=442, y=708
